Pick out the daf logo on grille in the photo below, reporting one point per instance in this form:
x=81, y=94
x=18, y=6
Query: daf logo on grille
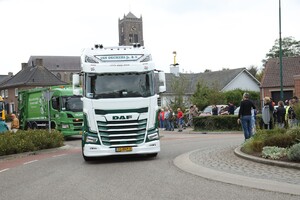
x=121, y=117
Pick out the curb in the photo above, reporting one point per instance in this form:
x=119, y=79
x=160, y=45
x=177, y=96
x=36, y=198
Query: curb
x=184, y=163
x=30, y=153
x=240, y=154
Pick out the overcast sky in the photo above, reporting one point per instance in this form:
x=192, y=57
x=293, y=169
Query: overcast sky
x=206, y=34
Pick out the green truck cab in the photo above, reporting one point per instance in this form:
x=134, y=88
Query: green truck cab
x=55, y=105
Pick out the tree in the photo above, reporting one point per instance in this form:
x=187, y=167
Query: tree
x=253, y=70
x=205, y=95
x=290, y=47
x=178, y=85
x=200, y=97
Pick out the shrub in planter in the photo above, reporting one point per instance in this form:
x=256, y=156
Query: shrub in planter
x=280, y=140
x=294, y=153
x=253, y=145
x=274, y=153
x=295, y=132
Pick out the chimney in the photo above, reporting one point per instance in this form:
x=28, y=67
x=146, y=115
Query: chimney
x=10, y=74
x=39, y=62
x=24, y=65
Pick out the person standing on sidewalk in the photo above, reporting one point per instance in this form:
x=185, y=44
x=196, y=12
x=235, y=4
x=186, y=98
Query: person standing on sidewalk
x=15, y=123
x=171, y=119
x=161, y=118
x=180, y=119
x=3, y=126
x=244, y=116
x=167, y=122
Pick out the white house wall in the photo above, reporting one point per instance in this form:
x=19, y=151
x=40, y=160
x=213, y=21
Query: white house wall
x=242, y=81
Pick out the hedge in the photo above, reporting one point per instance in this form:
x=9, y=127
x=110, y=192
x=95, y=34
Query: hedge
x=30, y=140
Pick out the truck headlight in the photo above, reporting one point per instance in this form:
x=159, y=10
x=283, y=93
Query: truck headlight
x=153, y=136
x=65, y=126
x=90, y=139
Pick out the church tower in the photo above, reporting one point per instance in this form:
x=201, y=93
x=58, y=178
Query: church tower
x=130, y=30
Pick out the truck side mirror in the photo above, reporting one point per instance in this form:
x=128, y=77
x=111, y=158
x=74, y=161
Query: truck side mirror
x=76, y=84
x=162, y=80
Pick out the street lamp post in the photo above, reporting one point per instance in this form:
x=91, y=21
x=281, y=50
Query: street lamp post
x=280, y=54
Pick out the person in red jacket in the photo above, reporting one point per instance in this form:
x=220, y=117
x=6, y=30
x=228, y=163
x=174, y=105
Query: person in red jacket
x=161, y=118
x=180, y=119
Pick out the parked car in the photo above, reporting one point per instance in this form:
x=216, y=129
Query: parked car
x=208, y=110
x=237, y=110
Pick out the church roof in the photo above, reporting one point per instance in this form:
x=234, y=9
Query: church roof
x=130, y=15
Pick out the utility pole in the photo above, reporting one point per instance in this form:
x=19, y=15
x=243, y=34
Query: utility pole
x=280, y=54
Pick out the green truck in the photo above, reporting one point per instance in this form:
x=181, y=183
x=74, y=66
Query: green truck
x=55, y=105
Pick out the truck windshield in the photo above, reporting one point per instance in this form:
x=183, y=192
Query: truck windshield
x=119, y=85
x=72, y=103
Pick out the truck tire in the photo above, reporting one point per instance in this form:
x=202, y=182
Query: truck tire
x=34, y=126
x=28, y=126
x=53, y=125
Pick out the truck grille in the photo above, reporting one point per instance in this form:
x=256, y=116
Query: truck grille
x=77, y=124
x=122, y=133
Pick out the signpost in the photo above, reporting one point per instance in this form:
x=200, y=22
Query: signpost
x=48, y=95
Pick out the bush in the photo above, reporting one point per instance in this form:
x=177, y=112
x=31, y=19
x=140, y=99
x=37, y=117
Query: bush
x=218, y=122
x=274, y=153
x=280, y=140
x=295, y=132
x=253, y=145
x=294, y=153
x=274, y=137
x=31, y=140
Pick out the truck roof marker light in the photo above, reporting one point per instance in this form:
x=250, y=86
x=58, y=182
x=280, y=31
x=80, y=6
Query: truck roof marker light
x=100, y=46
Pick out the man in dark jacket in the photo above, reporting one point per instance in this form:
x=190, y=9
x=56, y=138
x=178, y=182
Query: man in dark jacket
x=245, y=117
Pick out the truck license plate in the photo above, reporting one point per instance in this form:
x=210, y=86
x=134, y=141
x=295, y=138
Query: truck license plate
x=123, y=149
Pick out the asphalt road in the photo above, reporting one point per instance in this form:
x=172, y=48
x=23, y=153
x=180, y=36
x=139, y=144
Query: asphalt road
x=63, y=174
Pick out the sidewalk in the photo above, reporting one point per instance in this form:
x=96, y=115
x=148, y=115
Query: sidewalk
x=230, y=165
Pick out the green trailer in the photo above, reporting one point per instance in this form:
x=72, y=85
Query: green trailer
x=55, y=105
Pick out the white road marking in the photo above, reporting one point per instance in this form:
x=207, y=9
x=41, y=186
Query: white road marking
x=32, y=161
x=59, y=155
x=3, y=170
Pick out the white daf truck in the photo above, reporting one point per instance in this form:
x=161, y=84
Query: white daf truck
x=120, y=101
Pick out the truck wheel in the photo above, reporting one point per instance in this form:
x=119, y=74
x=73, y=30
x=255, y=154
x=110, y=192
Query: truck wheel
x=27, y=126
x=34, y=126
x=53, y=125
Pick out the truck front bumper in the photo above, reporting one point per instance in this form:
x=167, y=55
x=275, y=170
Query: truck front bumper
x=94, y=150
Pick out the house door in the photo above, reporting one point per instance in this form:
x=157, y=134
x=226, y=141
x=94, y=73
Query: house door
x=286, y=95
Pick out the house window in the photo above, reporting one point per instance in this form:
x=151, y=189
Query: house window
x=6, y=93
x=71, y=77
x=16, y=92
x=2, y=93
x=131, y=38
x=58, y=76
x=136, y=38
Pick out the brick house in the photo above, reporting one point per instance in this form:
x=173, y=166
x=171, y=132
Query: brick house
x=62, y=67
x=29, y=77
x=270, y=84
